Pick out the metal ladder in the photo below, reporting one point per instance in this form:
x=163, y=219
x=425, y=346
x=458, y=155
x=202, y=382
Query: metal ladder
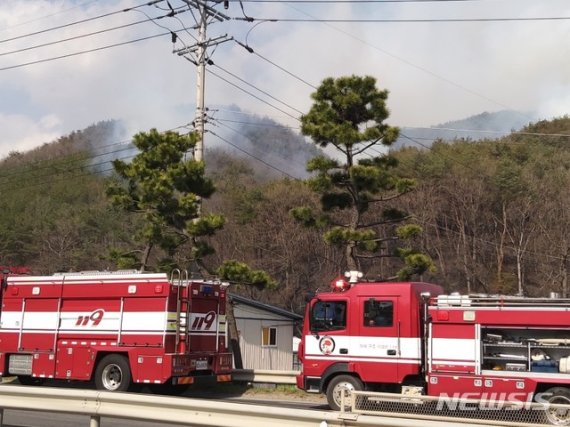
x=179, y=279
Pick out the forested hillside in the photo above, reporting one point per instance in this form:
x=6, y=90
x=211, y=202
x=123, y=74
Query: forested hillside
x=496, y=213
x=478, y=127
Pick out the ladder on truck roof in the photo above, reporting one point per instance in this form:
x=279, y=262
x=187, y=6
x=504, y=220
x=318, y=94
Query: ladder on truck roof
x=478, y=300
x=179, y=279
x=97, y=273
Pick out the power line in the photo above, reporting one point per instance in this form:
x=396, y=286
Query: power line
x=150, y=3
x=39, y=61
x=405, y=61
x=252, y=156
x=71, y=164
x=505, y=133
x=259, y=90
x=272, y=125
x=48, y=16
x=48, y=165
x=405, y=21
x=73, y=38
x=247, y=113
x=250, y=50
x=249, y=93
x=357, y=1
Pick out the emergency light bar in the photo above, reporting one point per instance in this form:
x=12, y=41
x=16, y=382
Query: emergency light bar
x=342, y=285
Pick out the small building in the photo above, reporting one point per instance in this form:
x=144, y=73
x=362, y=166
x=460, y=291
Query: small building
x=265, y=334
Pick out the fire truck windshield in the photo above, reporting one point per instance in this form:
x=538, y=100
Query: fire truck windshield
x=328, y=315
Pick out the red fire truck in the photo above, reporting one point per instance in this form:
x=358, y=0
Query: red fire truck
x=116, y=328
x=411, y=338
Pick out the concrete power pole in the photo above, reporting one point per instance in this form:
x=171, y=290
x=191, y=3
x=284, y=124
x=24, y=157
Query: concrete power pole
x=198, y=55
x=200, y=84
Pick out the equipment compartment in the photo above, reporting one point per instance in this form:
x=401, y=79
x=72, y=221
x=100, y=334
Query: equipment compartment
x=518, y=349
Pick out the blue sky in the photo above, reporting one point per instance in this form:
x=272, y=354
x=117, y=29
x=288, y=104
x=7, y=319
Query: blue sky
x=435, y=71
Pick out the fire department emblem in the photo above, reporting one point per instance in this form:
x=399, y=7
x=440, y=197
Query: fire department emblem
x=326, y=345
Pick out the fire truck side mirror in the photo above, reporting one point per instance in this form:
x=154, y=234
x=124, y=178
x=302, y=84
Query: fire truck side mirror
x=309, y=296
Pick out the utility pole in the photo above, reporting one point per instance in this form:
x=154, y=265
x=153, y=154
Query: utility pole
x=198, y=55
x=200, y=84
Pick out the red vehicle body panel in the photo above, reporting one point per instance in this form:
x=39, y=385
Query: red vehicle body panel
x=467, y=346
x=385, y=354
x=59, y=326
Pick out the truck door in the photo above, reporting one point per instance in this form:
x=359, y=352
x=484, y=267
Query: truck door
x=378, y=346
x=39, y=324
x=327, y=340
x=204, y=324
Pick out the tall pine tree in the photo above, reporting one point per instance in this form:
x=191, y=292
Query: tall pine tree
x=357, y=185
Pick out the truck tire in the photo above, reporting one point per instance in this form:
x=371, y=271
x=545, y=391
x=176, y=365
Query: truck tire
x=336, y=387
x=113, y=373
x=558, y=416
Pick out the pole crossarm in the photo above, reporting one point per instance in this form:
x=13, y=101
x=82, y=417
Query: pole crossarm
x=210, y=11
x=208, y=43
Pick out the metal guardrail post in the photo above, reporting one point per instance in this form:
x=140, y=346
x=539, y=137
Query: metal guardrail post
x=94, y=422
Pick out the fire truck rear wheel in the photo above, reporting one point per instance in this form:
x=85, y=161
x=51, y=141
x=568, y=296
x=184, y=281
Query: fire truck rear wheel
x=336, y=387
x=113, y=373
x=558, y=416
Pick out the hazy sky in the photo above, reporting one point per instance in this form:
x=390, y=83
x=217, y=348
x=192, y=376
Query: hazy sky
x=435, y=71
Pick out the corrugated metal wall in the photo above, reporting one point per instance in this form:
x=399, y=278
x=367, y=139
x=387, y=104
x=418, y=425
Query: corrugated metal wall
x=250, y=322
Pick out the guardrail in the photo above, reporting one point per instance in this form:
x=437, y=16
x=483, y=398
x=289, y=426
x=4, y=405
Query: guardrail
x=246, y=375
x=491, y=411
x=184, y=411
x=264, y=376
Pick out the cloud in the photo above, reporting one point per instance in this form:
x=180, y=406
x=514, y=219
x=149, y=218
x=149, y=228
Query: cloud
x=435, y=72
x=20, y=133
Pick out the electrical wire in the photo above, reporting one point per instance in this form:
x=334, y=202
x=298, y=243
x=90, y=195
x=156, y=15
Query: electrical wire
x=409, y=21
x=247, y=92
x=48, y=16
x=74, y=38
x=124, y=145
x=250, y=50
x=274, y=125
x=252, y=156
x=93, y=18
x=358, y=1
x=259, y=90
x=82, y=52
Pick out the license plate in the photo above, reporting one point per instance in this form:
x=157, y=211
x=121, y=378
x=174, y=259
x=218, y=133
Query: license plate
x=201, y=364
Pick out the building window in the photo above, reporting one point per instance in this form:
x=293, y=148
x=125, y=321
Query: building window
x=268, y=337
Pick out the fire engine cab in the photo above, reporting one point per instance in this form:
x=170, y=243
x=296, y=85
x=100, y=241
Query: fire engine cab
x=411, y=338
x=116, y=328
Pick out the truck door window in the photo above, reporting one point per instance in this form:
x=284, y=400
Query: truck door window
x=378, y=313
x=328, y=315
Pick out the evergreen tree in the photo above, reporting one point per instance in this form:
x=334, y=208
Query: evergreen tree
x=348, y=114
x=165, y=189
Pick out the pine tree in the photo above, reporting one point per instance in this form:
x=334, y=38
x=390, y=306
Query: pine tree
x=348, y=114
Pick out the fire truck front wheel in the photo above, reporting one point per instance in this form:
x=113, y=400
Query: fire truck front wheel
x=113, y=373
x=336, y=388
